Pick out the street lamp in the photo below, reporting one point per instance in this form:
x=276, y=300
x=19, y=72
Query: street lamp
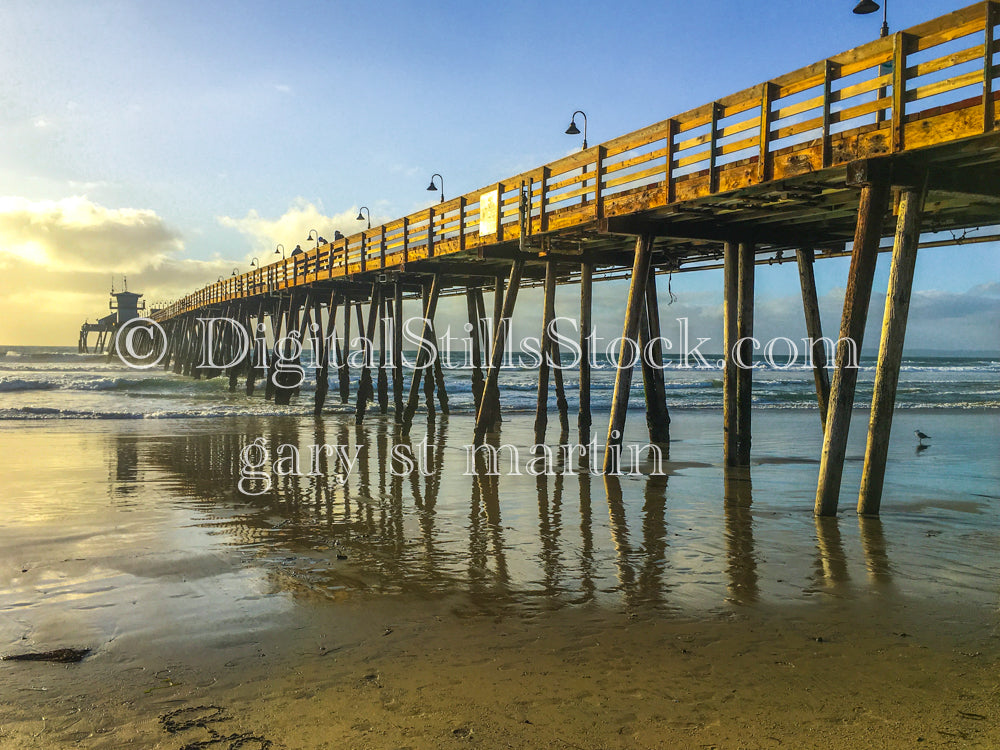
x=310, y=237
x=280, y=249
x=255, y=263
x=865, y=7
x=365, y=208
x=574, y=130
x=236, y=272
x=432, y=187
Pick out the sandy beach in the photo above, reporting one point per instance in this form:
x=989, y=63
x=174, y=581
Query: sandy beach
x=449, y=610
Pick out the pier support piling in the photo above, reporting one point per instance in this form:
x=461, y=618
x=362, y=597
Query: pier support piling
x=868, y=231
x=383, y=376
x=397, y=351
x=323, y=371
x=623, y=374
x=489, y=412
x=423, y=358
x=548, y=313
x=650, y=344
x=744, y=333
x=890, y=352
x=472, y=307
x=814, y=328
x=365, y=389
x=583, y=419
x=343, y=372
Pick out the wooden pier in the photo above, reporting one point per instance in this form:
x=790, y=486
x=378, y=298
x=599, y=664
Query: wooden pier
x=894, y=135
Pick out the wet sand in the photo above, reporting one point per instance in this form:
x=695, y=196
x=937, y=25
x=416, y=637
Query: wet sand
x=453, y=610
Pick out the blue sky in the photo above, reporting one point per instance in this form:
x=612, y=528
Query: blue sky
x=173, y=141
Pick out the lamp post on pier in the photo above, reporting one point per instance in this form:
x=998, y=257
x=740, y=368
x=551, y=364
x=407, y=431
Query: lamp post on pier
x=432, y=187
x=574, y=130
x=866, y=7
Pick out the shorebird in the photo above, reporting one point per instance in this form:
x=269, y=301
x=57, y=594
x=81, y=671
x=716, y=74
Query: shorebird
x=921, y=436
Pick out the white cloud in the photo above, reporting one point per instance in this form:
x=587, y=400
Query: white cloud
x=292, y=227
x=77, y=234
x=63, y=254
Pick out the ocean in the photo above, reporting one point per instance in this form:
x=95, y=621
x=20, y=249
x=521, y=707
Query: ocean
x=58, y=383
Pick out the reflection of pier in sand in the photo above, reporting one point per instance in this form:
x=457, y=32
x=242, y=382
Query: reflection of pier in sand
x=402, y=531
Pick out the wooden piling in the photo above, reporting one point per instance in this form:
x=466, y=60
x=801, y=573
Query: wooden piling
x=730, y=304
x=583, y=419
x=562, y=405
x=237, y=366
x=489, y=411
x=429, y=375
x=630, y=331
x=868, y=231
x=283, y=388
x=651, y=345
x=477, y=358
x=890, y=352
x=344, y=372
x=442, y=391
x=365, y=390
x=276, y=317
x=383, y=376
x=548, y=312
x=744, y=332
x=423, y=358
x=814, y=328
x=397, y=351
x=323, y=371
x=493, y=394
x=255, y=354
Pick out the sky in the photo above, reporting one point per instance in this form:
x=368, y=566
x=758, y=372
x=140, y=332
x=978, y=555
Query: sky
x=173, y=142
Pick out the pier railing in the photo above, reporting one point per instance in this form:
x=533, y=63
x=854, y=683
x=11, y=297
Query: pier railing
x=928, y=85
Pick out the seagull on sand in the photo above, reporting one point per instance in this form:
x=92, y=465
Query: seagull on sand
x=921, y=436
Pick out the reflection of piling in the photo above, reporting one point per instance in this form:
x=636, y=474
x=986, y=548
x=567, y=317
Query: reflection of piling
x=831, y=560
x=875, y=549
x=742, y=560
